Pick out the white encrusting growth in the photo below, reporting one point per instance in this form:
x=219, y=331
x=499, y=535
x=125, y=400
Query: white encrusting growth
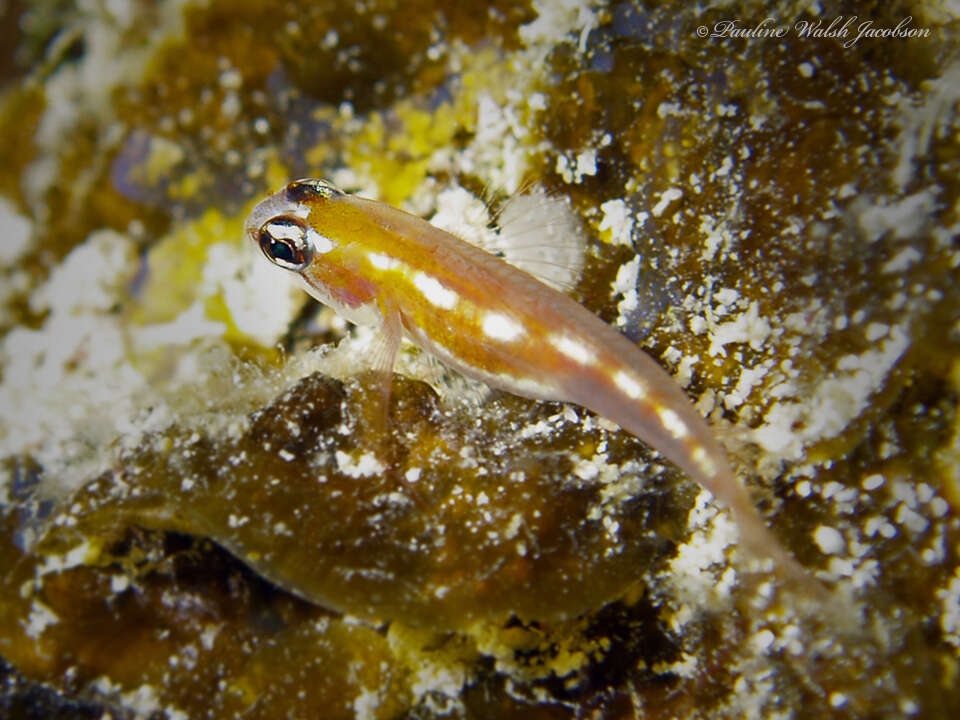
x=618, y=219
x=434, y=291
x=41, y=617
x=666, y=197
x=836, y=400
x=15, y=230
x=500, y=327
x=366, y=465
x=259, y=306
x=576, y=351
x=829, y=540
x=748, y=327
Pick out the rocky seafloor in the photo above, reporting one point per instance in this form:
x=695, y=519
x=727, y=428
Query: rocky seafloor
x=202, y=514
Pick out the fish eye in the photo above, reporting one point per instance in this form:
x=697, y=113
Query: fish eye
x=284, y=241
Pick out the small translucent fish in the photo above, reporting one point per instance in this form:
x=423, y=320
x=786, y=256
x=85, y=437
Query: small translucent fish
x=375, y=264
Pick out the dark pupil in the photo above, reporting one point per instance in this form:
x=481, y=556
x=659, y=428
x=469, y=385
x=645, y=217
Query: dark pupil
x=281, y=251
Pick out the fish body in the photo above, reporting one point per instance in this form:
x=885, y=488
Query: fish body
x=376, y=264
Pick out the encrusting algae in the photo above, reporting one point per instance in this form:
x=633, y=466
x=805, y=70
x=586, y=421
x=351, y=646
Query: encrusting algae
x=203, y=513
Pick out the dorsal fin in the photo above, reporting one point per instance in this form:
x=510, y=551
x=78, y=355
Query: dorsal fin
x=543, y=236
x=533, y=231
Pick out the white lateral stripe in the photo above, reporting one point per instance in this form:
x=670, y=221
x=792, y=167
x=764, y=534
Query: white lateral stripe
x=435, y=292
x=500, y=327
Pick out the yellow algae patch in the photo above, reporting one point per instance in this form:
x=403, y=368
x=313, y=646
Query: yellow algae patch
x=529, y=654
x=396, y=161
x=399, y=150
x=204, y=279
x=191, y=185
x=438, y=666
x=175, y=266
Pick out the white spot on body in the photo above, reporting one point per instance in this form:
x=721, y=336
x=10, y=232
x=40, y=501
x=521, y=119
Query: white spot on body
x=630, y=385
x=434, y=291
x=320, y=243
x=576, y=351
x=500, y=327
x=383, y=262
x=703, y=459
x=672, y=422
x=539, y=387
